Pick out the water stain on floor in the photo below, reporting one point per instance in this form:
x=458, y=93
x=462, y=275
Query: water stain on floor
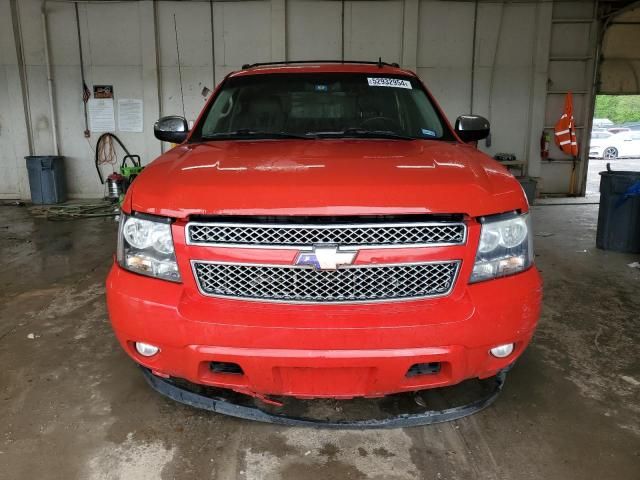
x=73, y=406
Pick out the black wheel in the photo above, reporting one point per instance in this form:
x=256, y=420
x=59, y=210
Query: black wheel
x=610, y=153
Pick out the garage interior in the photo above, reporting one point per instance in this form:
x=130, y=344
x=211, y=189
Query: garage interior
x=74, y=406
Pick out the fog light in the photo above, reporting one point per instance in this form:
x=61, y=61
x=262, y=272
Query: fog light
x=502, y=351
x=146, y=349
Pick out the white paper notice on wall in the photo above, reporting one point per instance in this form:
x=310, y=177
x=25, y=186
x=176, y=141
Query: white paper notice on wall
x=101, y=117
x=130, y=117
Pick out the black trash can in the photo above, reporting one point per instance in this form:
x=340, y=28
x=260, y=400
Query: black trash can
x=46, y=179
x=619, y=214
x=529, y=185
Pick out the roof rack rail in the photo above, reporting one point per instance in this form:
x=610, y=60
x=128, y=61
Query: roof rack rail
x=380, y=63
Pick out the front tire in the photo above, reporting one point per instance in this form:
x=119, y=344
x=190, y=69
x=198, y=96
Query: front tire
x=610, y=153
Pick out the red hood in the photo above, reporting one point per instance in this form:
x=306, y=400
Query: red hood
x=325, y=177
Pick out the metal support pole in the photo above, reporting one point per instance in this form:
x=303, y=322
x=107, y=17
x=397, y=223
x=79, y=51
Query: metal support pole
x=47, y=60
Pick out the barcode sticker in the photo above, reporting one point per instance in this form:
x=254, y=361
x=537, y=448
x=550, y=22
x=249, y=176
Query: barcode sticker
x=389, y=82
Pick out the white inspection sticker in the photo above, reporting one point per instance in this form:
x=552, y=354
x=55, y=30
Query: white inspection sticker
x=389, y=82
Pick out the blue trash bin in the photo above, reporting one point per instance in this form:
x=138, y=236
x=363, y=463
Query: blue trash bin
x=46, y=179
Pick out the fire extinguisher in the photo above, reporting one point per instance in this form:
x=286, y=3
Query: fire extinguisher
x=545, y=141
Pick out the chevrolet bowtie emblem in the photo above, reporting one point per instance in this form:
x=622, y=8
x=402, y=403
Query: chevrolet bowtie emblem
x=326, y=258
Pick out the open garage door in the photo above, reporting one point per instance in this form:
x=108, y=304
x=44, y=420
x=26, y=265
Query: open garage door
x=619, y=71
x=618, y=74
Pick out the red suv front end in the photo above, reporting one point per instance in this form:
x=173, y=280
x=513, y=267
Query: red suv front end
x=283, y=255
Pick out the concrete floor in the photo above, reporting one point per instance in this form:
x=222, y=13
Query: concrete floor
x=73, y=406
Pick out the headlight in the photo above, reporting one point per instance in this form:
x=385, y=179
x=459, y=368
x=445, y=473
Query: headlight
x=505, y=247
x=145, y=246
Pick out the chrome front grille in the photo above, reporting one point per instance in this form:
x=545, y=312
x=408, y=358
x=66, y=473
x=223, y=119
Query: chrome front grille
x=369, y=235
x=301, y=284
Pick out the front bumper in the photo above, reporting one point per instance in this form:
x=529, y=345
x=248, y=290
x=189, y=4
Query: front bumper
x=407, y=417
x=324, y=351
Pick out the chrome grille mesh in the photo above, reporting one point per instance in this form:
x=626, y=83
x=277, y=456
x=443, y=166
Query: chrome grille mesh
x=352, y=284
x=409, y=234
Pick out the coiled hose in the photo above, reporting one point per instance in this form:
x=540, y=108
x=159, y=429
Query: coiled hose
x=105, y=152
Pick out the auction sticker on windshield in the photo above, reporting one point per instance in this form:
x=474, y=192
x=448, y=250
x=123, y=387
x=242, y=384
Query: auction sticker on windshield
x=389, y=82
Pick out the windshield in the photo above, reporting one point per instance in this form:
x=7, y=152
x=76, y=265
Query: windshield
x=331, y=105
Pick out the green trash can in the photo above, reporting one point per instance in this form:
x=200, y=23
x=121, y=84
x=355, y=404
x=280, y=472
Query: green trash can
x=46, y=179
x=619, y=213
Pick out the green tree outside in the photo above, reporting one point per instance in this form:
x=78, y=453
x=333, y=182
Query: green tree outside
x=618, y=108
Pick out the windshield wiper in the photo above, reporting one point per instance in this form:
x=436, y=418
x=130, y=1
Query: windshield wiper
x=362, y=133
x=249, y=133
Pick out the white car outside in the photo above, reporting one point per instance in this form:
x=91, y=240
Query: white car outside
x=611, y=146
x=602, y=122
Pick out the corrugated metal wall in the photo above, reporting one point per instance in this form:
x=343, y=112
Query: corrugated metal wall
x=496, y=59
x=574, y=33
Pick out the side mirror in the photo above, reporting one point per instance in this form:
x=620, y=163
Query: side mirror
x=172, y=129
x=472, y=128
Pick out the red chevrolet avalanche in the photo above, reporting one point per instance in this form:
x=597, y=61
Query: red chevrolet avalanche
x=322, y=232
